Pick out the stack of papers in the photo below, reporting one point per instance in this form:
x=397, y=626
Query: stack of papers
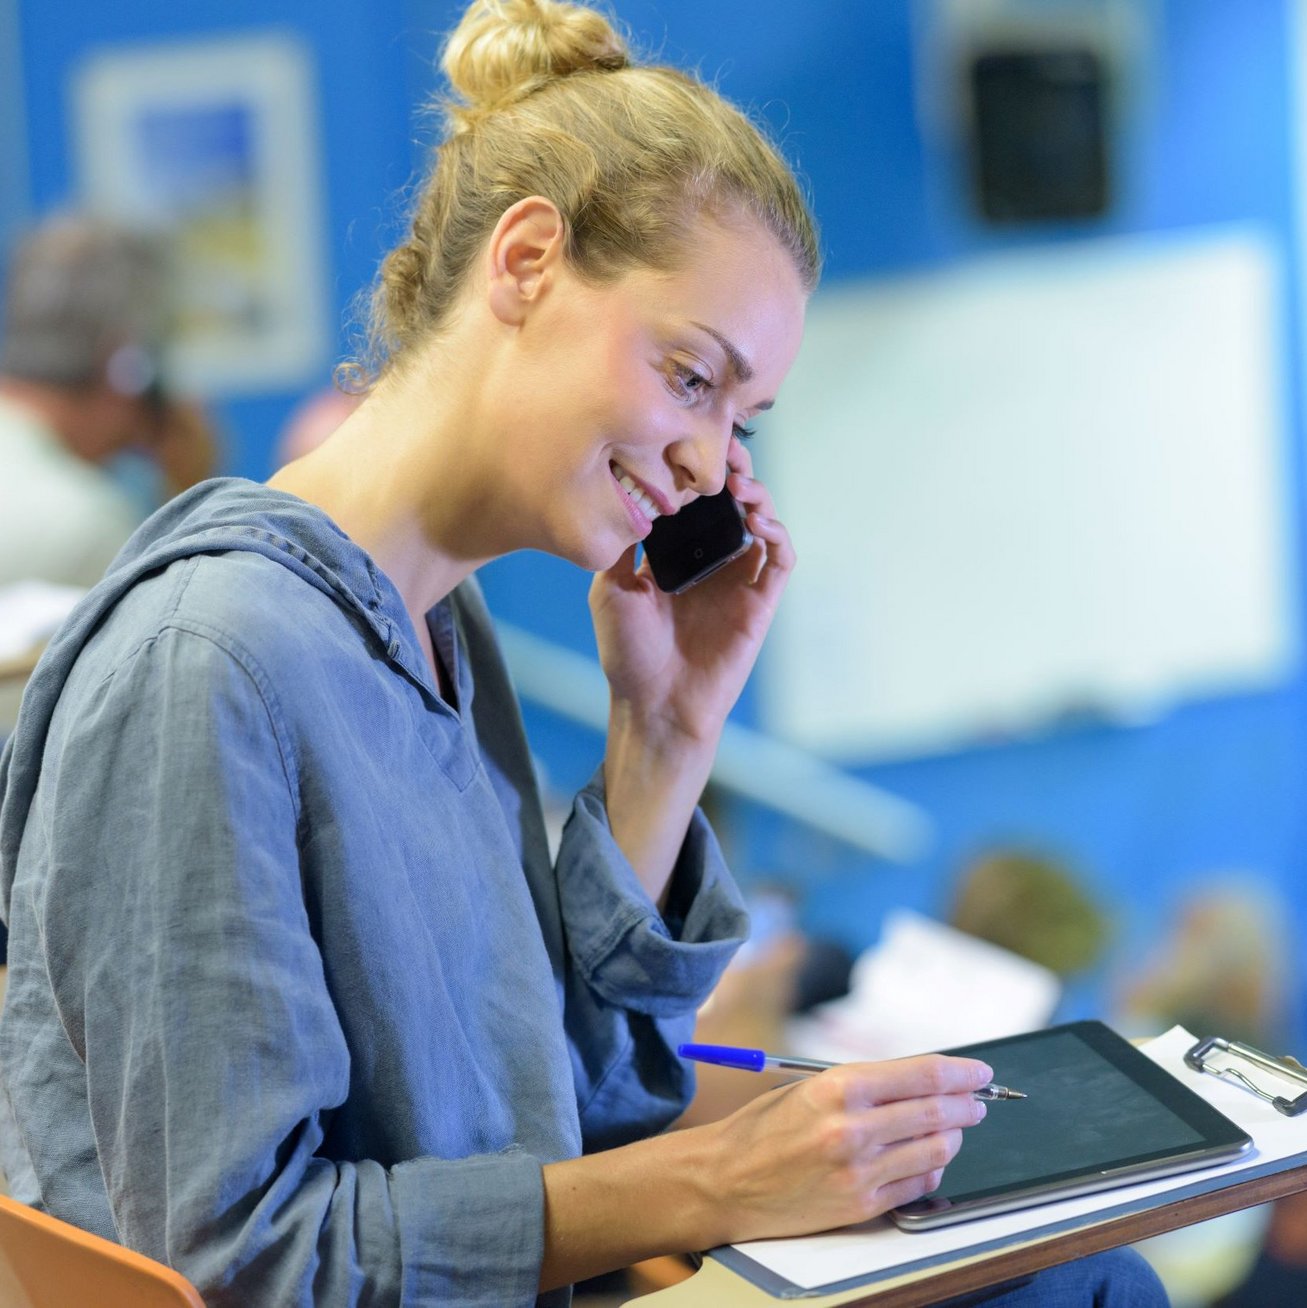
x=926, y=986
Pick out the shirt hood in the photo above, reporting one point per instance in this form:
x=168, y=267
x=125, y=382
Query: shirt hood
x=214, y=517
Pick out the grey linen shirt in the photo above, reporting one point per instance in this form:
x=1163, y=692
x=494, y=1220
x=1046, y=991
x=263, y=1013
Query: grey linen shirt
x=298, y=1002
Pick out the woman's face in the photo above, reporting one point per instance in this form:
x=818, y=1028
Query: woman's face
x=637, y=388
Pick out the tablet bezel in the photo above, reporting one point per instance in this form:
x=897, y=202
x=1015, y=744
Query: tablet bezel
x=1221, y=1140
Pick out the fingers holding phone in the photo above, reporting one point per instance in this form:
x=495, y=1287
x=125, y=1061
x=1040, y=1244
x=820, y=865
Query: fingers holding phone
x=687, y=547
x=778, y=558
x=690, y=545
x=673, y=657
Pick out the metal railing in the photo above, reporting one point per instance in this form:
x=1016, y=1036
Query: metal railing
x=749, y=763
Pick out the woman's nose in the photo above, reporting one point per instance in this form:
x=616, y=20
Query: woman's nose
x=700, y=458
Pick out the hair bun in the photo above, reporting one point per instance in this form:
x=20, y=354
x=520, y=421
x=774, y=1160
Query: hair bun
x=503, y=48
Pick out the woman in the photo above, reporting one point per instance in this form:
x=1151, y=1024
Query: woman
x=298, y=1002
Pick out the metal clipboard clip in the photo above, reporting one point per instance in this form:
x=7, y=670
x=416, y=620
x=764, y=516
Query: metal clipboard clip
x=1228, y=1059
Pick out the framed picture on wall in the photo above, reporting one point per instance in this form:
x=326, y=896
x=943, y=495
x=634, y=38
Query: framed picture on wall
x=214, y=143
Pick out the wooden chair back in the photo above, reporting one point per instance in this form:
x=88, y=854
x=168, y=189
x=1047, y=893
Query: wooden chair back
x=46, y=1263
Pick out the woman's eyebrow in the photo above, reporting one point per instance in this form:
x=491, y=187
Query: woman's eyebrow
x=739, y=364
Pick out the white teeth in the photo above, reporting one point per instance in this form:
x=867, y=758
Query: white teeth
x=628, y=484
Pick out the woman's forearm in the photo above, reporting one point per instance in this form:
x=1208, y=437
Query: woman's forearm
x=816, y=1154
x=609, y=1210
x=653, y=780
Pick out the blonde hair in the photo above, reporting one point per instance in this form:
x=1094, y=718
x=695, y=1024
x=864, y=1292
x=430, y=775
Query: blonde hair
x=547, y=101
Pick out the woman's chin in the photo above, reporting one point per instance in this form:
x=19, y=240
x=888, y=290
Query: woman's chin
x=595, y=550
x=595, y=556
x=602, y=560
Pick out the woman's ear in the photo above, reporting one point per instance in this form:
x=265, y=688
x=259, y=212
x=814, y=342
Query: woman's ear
x=524, y=253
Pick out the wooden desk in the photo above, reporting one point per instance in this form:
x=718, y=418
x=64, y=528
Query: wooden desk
x=715, y=1285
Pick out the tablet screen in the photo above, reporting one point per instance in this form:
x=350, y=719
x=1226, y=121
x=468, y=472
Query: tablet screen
x=1095, y=1105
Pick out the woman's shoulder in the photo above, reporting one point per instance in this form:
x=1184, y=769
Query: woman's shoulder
x=230, y=607
x=251, y=597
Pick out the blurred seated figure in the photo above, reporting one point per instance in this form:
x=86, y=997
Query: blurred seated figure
x=1021, y=924
x=1226, y=967
x=86, y=317
x=925, y=986
x=1032, y=905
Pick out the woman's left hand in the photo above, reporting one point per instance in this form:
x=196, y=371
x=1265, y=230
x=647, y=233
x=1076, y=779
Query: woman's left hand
x=677, y=663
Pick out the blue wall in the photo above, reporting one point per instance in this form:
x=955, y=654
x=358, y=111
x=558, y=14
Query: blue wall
x=1208, y=139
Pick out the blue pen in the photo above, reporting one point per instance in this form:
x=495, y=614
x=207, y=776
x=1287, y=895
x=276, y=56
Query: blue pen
x=756, y=1060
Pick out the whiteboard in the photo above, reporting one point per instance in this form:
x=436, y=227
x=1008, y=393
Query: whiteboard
x=1032, y=487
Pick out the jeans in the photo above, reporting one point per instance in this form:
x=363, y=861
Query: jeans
x=1119, y=1278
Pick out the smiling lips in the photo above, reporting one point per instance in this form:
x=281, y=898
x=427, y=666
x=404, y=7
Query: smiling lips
x=637, y=495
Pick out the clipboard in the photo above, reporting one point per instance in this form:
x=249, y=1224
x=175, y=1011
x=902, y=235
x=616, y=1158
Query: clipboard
x=1254, y=1070
x=877, y=1257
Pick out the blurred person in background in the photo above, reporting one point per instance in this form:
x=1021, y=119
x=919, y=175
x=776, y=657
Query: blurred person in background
x=1225, y=964
x=86, y=319
x=1034, y=905
x=1028, y=903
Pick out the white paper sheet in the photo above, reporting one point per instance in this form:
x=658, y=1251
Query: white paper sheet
x=879, y=1246
x=926, y=986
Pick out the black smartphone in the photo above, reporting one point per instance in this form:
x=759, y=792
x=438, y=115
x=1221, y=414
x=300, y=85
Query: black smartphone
x=687, y=546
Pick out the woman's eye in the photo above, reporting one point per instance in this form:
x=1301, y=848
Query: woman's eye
x=687, y=382
x=743, y=433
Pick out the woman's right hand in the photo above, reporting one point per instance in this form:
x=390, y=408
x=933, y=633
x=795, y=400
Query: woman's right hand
x=844, y=1146
x=828, y=1151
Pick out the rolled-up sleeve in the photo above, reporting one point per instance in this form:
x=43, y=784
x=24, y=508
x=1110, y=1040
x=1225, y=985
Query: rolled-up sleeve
x=637, y=978
x=194, y=990
x=632, y=955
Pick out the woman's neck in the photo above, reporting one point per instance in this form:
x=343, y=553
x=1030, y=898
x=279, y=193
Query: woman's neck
x=396, y=480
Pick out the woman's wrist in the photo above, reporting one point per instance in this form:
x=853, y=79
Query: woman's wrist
x=661, y=754
x=653, y=778
x=608, y=1210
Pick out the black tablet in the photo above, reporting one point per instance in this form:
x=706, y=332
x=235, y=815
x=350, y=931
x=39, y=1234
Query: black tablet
x=1098, y=1114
